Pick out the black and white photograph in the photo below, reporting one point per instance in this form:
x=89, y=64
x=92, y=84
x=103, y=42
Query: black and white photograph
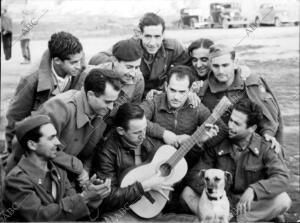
x=149, y=111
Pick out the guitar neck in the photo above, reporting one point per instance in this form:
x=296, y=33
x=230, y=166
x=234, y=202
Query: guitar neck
x=218, y=111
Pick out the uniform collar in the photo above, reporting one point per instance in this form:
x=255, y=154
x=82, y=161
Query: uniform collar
x=84, y=112
x=45, y=79
x=35, y=172
x=215, y=87
x=254, y=146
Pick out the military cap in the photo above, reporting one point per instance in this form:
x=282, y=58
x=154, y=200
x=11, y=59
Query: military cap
x=30, y=123
x=127, y=50
x=217, y=50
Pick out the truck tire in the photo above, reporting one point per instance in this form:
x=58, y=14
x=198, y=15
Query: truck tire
x=192, y=23
x=225, y=24
x=277, y=22
x=257, y=22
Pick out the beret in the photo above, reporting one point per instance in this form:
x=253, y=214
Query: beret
x=30, y=123
x=127, y=50
x=217, y=50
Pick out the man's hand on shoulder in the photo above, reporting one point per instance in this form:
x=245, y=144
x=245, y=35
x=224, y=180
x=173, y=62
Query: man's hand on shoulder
x=193, y=99
x=245, y=72
x=274, y=143
x=150, y=95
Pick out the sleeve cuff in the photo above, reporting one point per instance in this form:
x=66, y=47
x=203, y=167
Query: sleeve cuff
x=75, y=204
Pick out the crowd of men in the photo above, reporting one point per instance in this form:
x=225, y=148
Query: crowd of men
x=74, y=130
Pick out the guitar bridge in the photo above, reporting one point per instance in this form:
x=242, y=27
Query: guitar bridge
x=149, y=197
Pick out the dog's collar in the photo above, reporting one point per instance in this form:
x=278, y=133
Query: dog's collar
x=213, y=198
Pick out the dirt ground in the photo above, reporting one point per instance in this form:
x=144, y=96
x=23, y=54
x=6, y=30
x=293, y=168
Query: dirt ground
x=272, y=52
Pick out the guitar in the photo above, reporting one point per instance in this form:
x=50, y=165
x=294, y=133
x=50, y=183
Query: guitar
x=169, y=163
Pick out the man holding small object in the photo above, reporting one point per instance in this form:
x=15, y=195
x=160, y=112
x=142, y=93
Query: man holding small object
x=39, y=188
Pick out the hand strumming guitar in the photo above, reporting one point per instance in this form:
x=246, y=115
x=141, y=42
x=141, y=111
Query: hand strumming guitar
x=156, y=182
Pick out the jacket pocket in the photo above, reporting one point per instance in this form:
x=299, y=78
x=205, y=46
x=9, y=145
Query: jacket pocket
x=253, y=173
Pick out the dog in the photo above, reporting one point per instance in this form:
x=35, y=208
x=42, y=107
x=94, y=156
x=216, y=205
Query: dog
x=213, y=204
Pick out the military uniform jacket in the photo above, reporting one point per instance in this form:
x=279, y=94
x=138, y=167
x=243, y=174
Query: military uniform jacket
x=258, y=167
x=27, y=193
x=255, y=89
x=170, y=53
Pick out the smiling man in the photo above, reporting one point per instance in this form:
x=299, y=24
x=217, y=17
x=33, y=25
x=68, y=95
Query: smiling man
x=78, y=116
x=60, y=69
x=37, y=187
x=199, y=53
x=259, y=176
x=160, y=53
x=224, y=79
x=124, y=60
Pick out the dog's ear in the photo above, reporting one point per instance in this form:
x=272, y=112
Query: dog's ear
x=228, y=177
x=201, y=173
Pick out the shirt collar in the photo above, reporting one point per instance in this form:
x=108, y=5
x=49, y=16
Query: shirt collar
x=215, y=87
x=56, y=76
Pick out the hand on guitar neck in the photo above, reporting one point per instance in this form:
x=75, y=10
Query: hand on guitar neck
x=172, y=139
x=156, y=182
x=210, y=131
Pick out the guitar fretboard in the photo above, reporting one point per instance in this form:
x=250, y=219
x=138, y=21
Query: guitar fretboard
x=218, y=111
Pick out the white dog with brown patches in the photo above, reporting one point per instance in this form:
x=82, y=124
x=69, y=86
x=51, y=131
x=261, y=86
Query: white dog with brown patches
x=213, y=205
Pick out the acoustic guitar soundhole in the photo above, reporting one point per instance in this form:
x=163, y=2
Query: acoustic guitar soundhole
x=165, y=169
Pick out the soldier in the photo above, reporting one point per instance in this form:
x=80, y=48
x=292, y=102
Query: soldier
x=159, y=53
x=260, y=176
x=125, y=61
x=225, y=79
x=37, y=188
